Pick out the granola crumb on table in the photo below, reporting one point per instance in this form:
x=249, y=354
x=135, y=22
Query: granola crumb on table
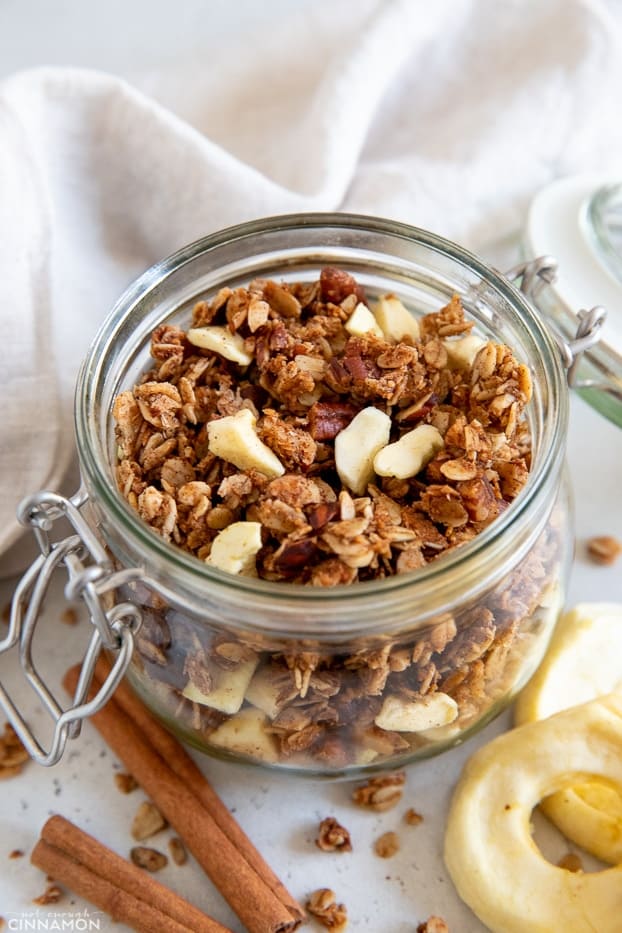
x=333, y=837
x=387, y=845
x=604, y=549
x=293, y=435
x=322, y=905
x=433, y=924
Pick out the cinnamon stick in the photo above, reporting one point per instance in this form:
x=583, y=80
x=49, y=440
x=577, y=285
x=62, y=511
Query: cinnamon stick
x=247, y=893
x=127, y=893
x=183, y=765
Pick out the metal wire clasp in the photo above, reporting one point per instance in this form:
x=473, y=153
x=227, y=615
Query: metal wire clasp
x=91, y=574
x=534, y=275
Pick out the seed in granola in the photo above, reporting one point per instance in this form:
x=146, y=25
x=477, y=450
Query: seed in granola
x=149, y=859
x=333, y=837
x=571, y=862
x=433, y=925
x=147, y=821
x=604, y=549
x=51, y=895
x=16, y=853
x=387, y=845
x=412, y=818
x=125, y=782
x=322, y=905
x=380, y=793
x=177, y=850
x=69, y=616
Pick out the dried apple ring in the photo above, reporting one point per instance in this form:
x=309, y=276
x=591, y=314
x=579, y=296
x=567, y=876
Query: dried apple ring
x=491, y=856
x=584, y=661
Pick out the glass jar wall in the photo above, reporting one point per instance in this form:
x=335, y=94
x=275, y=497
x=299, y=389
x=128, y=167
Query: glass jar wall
x=352, y=677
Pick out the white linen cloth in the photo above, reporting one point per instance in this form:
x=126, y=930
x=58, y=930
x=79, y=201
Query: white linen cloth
x=447, y=115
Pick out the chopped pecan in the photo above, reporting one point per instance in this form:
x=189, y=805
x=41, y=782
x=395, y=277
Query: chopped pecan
x=380, y=793
x=149, y=859
x=322, y=905
x=333, y=837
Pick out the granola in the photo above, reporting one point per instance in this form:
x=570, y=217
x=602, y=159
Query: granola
x=13, y=755
x=322, y=905
x=149, y=859
x=247, y=417
x=333, y=837
x=433, y=924
x=292, y=434
x=387, y=845
x=604, y=549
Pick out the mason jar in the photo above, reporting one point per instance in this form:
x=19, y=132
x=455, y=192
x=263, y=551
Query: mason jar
x=299, y=676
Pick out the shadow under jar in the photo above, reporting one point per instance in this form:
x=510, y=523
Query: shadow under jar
x=353, y=677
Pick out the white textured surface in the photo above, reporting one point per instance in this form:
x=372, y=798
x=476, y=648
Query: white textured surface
x=280, y=813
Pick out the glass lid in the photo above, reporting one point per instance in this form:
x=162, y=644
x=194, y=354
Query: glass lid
x=578, y=221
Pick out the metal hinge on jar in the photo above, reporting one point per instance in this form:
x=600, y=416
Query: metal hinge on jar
x=90, y=576
x=534, y=275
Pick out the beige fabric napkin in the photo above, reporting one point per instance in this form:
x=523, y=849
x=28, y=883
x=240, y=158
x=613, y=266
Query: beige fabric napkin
x=446, y=115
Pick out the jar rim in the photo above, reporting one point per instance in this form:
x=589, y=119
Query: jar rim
x=192, y=572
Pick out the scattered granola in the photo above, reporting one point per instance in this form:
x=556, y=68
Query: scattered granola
x=177, y=850
x=52, y=895
x=333, y=837
x=69, y=616
x=149, y=859
x=412, y=818
x=571, y=862
x=125, y=782
x=604, y=549
x=380, y=793
x=147, y=822
x=16, y=853
x=387, y=845
x=323, y=906
x=13, y=755
x=433, y=925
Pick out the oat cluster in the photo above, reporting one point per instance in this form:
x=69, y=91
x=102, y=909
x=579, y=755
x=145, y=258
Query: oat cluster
x=301, y=364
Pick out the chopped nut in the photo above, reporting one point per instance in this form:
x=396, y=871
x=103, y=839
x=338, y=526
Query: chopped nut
x=412, y=817
x=333, y=837
x=52, y=895
x=387, y=845
x=571, y=862
x=235, y=439
x=604, y=549
x=125, y=782
x=322, y=905
x=149, y=859
x=69, y=617
x=380, y=793
x=178, y=851
x=221, y=341
x=357, y=445
x=13, y=755
x=235, y=548
x=147, y=822
x=433, y=925
x=410, y=454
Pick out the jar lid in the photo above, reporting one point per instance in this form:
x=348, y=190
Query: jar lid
x=578, y=220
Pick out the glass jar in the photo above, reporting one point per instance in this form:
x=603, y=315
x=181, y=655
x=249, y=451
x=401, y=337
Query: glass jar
x=303, y=678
